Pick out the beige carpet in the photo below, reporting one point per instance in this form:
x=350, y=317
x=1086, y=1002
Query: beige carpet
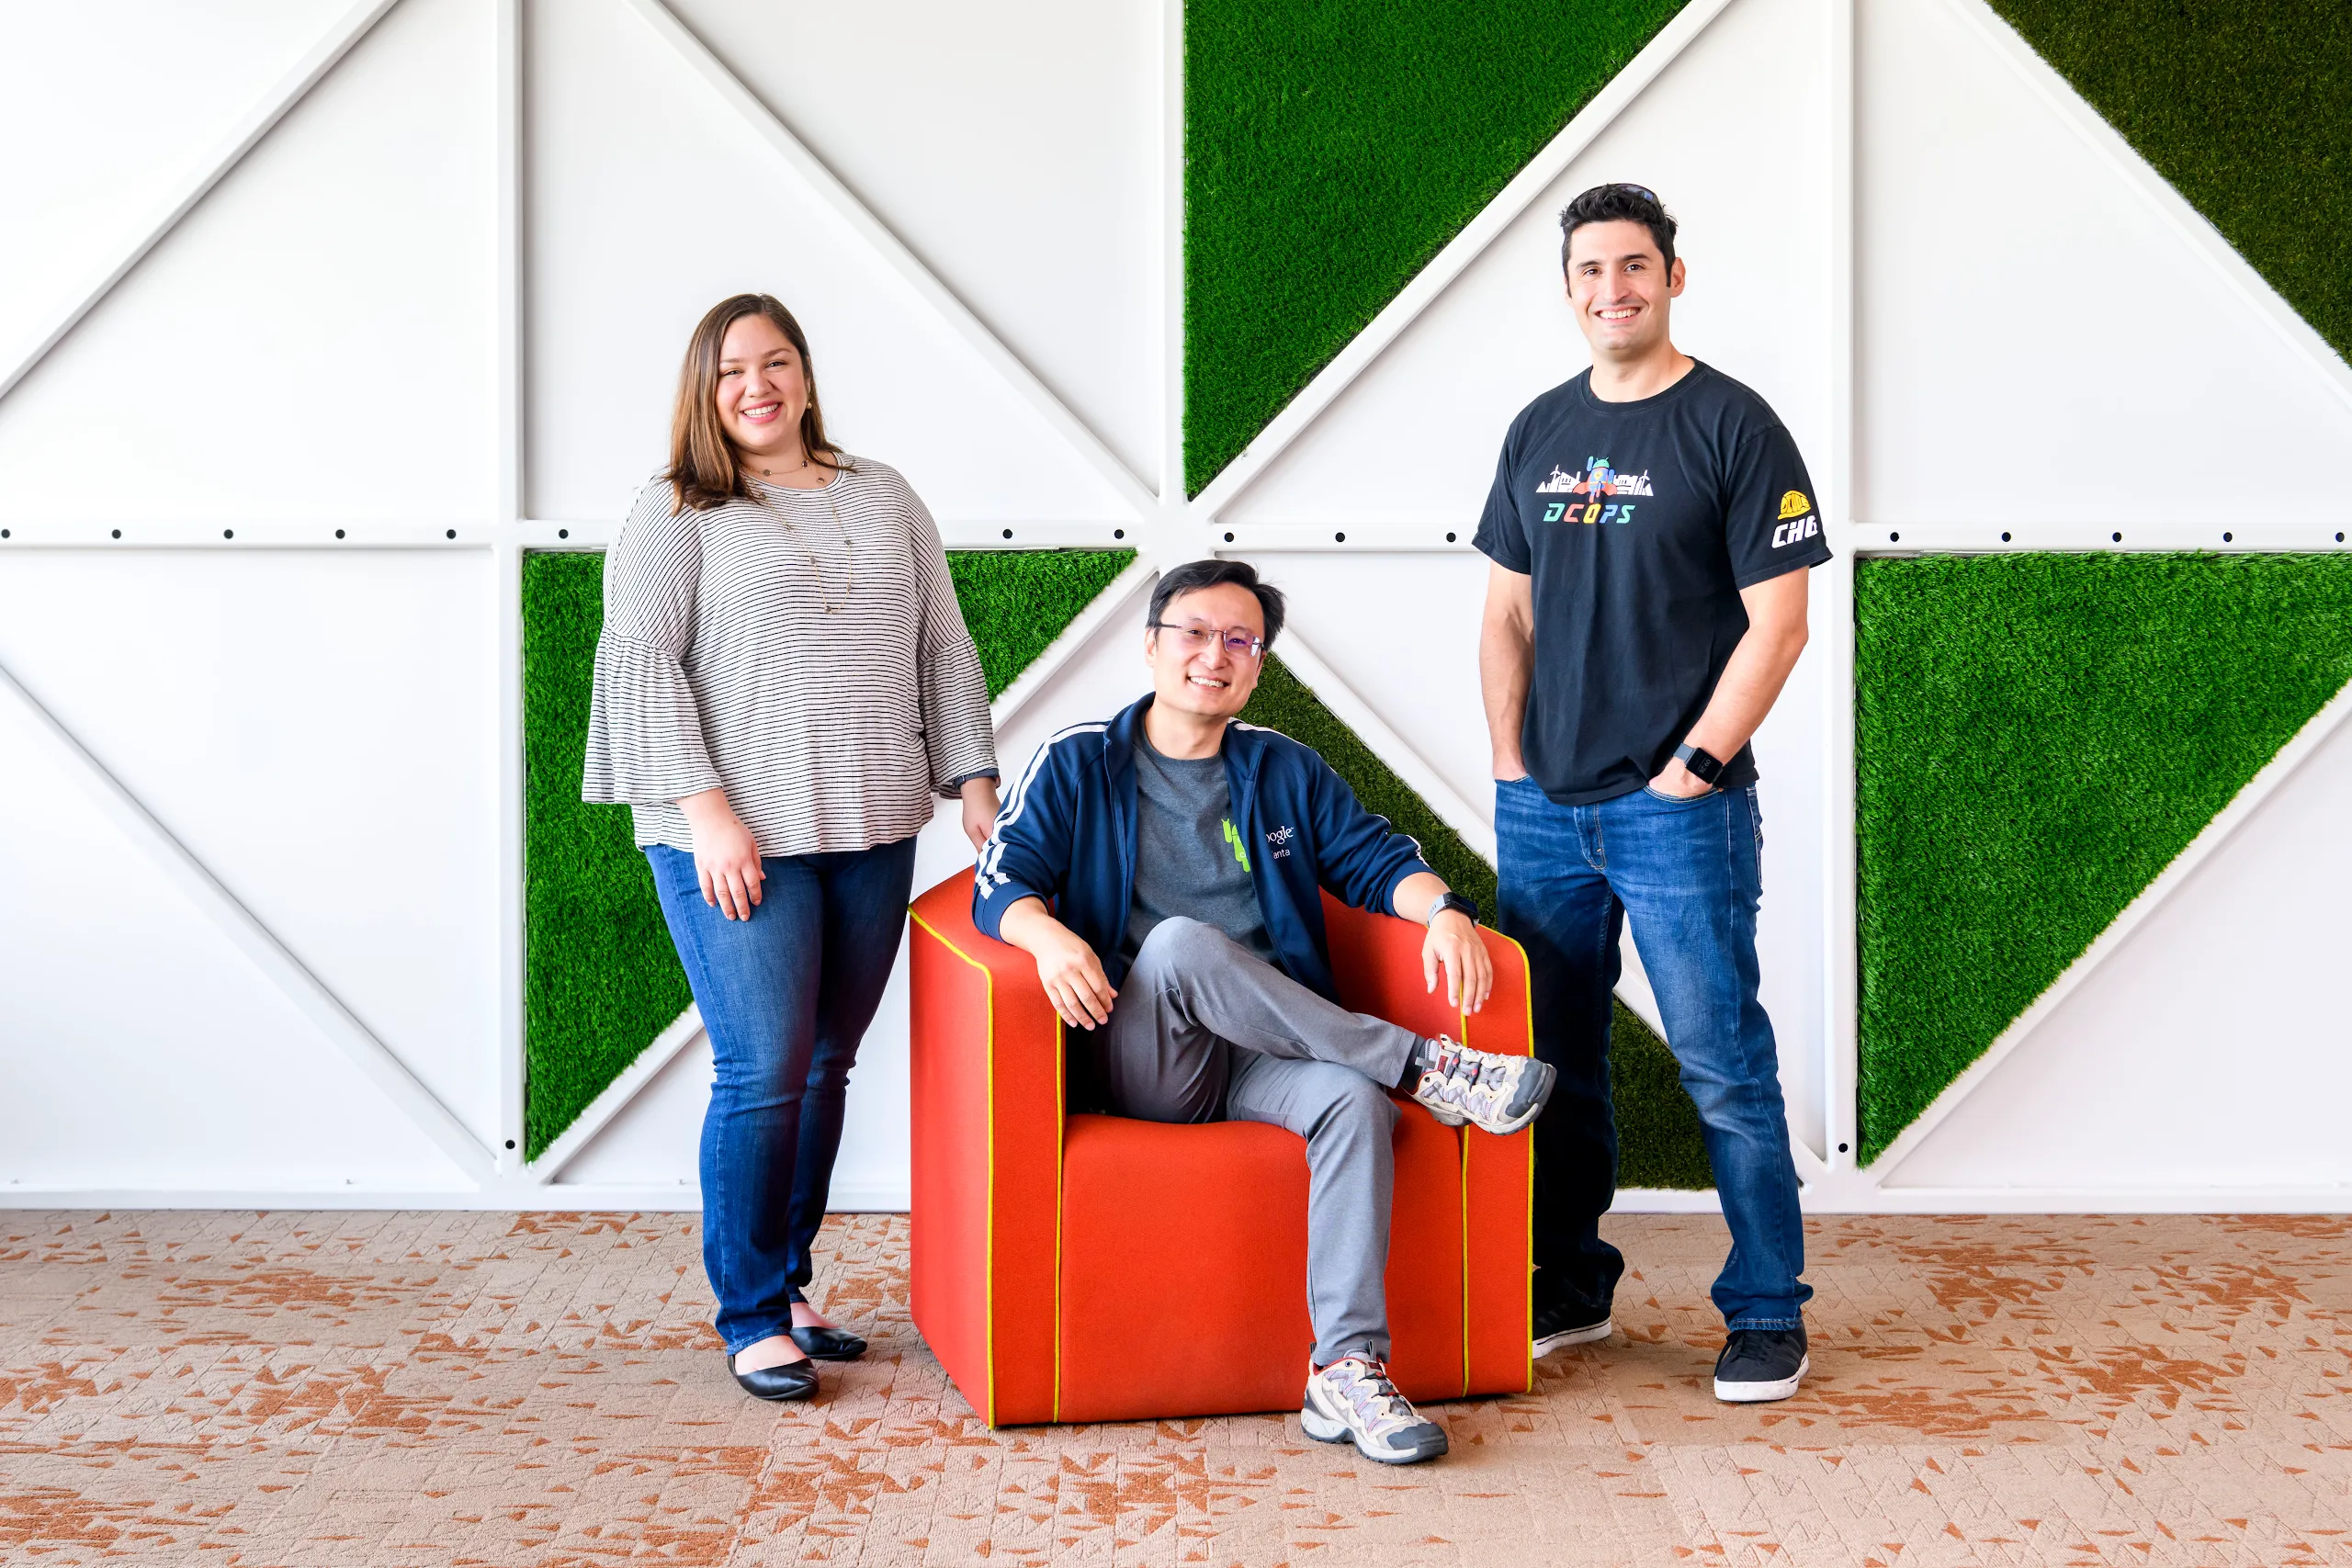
x=235, y=1389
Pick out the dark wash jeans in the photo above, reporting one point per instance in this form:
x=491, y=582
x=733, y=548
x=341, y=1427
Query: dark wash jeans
x=1688, y=871
x=786, y=996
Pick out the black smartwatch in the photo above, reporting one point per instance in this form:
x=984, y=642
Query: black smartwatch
x=1703, y=768
x=1449, y=899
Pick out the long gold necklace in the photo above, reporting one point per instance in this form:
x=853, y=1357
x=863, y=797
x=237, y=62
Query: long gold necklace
x=848, y=548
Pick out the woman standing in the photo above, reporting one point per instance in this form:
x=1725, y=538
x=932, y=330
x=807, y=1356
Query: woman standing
x=783, y=682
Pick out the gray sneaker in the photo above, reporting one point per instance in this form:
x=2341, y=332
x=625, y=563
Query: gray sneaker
x=1351, y=1401
x=1496, y=1094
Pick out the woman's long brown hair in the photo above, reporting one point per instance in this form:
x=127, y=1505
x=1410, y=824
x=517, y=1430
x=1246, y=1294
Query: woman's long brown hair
x=704, y=471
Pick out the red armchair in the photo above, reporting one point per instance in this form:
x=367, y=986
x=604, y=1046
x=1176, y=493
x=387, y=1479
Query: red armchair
x=1075, y=1267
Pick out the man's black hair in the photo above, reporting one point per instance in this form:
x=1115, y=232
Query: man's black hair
x=1619, y=204
x=1195, y=575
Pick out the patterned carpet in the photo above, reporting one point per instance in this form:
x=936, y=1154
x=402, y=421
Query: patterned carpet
x=235, y=1389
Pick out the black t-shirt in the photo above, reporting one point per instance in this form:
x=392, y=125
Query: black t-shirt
x=1640, y=523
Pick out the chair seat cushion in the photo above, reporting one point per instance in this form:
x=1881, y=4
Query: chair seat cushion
x=1183, y=1267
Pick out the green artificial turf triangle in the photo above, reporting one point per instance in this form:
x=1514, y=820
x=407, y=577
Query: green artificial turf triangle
x=1016, y=602
x=2245, y=110
x=1331, y=150
x=600, y=976
x=2036, y=738
x=600, y=979
x=1658, y=1142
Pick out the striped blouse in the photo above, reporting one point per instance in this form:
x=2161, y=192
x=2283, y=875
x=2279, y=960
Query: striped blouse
x=831, y=700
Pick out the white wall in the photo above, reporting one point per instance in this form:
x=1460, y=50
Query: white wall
x=266, y=495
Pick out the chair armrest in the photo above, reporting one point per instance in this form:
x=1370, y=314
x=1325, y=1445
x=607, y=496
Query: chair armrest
x=986, y=1052
x=1497, y=1182
x=1377, y=961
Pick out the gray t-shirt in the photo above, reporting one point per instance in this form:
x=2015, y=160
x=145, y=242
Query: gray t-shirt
x=1191, y=857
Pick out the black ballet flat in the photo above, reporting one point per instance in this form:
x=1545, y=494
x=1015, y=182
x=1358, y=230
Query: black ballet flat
x=795, y=1379
x=829, y=1344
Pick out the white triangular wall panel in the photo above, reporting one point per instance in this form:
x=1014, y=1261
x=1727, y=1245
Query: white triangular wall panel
x=1414, y=439
x=1094, y=683
x=67, y=73
x=2212, y=1050
x=314, y=340
x=140, y=1049
x=653, y=1141
x=1042, y=210
x=2038, y=342
x=651, y=199
x=320, y=730
x=1402, y=631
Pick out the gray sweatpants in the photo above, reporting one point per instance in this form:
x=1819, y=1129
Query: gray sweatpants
x=1205, y=1030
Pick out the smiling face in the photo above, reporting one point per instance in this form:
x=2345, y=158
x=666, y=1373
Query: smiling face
x=762, y=389
x=1620, y=287
x=1212, y=682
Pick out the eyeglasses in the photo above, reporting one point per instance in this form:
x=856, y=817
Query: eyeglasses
x=1643, y=191
x=1195, y=640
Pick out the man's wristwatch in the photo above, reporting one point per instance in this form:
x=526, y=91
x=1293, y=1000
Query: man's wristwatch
x=1449, y=899
x=1703, y=768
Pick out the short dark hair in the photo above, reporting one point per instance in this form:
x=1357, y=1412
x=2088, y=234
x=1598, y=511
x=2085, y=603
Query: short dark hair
x=1619, y=203
x=1195, y=575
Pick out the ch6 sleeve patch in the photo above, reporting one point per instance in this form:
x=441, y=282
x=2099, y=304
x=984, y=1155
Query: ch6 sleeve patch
x=1798, y=521
x=1770, y=523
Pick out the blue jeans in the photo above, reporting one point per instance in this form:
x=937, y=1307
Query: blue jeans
x=1688, y=871
x=786, y=996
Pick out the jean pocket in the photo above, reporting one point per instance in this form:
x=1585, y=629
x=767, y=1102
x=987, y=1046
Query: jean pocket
x=1680, y=799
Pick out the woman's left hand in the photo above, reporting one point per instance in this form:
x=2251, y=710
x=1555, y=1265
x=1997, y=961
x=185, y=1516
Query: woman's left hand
x=979, y=811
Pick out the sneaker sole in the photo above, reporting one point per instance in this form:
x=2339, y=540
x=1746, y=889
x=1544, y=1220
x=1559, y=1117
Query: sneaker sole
x=1323, y=1429
x=1762, y=1393
x=1590, y=1333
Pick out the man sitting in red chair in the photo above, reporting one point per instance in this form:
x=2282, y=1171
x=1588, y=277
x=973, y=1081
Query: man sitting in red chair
x=1163, y=869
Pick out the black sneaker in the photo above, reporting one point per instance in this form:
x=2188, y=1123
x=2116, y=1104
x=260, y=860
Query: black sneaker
x=1568, y=1324
x=1762, y=1364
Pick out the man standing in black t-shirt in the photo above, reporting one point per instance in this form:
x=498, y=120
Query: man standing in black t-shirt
x=1649, y=528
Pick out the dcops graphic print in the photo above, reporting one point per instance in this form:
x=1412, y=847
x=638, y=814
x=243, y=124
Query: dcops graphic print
x=1591, y=489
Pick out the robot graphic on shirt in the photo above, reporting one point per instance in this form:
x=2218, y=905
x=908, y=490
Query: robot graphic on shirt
x=1599, y=481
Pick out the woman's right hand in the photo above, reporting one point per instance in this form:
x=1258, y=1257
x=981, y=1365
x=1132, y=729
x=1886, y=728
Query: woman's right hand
x=727, y=857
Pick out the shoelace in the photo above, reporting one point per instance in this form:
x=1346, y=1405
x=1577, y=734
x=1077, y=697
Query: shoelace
x=1460, y=1077
x=1379, y=1408
x=1448, y=1057
x=1456, y=1074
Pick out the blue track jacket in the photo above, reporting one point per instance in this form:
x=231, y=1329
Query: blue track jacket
x=1066, y=835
